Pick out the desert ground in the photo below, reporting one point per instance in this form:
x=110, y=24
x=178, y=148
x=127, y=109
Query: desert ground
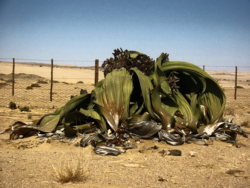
x=29, y=162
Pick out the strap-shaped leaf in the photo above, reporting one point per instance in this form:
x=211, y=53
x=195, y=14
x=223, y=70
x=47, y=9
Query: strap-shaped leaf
x=114, y=96
x=49, y=122
x=96, y=116
x=166, y=119
x=146, y=88
x=210, y=94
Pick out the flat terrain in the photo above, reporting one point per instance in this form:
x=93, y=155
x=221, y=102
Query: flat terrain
x=28, y=162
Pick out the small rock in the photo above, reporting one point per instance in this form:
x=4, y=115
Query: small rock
x=175, y=152
x=161, y=179
x=31, y=176
x=108, y=171
x=192, y=153
x=172, y=181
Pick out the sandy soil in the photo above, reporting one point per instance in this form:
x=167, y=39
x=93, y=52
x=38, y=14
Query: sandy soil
x=28, y=162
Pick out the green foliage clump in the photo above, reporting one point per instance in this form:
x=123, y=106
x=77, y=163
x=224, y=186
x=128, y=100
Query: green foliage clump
x=25, y=109
x=12, y=105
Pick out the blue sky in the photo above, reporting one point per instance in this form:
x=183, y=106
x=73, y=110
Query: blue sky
x=203, y=32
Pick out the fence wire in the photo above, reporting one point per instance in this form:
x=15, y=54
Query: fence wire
x=69, y=80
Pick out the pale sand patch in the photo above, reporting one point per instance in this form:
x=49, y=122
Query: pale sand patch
x=60, y=73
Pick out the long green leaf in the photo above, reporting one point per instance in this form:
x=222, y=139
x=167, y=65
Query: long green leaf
x=146, y=88
x=166, y=119
x=49, y=122
x=96, y=116
x=113, y=97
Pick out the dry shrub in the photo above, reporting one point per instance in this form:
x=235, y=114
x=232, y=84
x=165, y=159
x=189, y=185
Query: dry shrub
x=35, y=85
x=245, y=124
x=25, y=109
x=29, y=87
x=229, y=111
x=12, y=105
x=71, y=171
x=240, y=87
x=42, y=82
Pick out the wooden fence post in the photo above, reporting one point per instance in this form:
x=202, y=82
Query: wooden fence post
x=235, y=91
x=51, y=82
x=204, y=67
x=13, y=77
x=96, y=70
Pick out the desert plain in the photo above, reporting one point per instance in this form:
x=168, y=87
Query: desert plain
x=29, y=162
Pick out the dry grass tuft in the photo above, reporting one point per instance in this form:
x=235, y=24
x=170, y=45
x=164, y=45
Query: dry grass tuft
x=71, y=171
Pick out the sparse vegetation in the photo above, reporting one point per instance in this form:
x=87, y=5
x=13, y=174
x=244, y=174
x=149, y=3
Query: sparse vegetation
x=35, y=85
x=229, y=111
x=12, y=105
x=25, y=109
x=65, y=82
x=29, y=87
x=71, y=171
x=240, y=87
x=42, y=82
x=80, y=82
x=55, y=81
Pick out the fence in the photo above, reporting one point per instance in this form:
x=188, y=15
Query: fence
x=235, y=81
x=43, y=85
x=55, y=84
